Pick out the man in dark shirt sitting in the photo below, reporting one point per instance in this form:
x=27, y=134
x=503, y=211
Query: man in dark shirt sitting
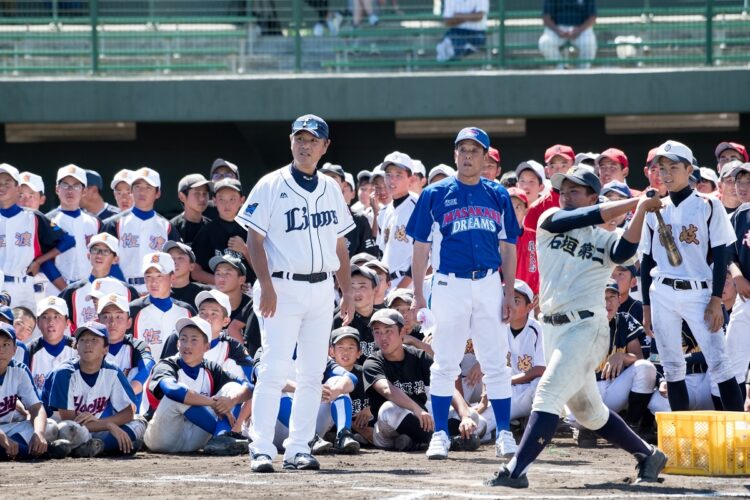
x=569, y=21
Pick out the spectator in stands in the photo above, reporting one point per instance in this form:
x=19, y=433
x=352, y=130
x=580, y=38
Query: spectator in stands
x=467, y=20
x=361, y=8
x=569, y=21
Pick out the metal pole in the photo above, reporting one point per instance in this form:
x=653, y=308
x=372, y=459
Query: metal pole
x=55, y=11
x=94, y=13
x=709, y=32
x=501, y=34
x=297, y=15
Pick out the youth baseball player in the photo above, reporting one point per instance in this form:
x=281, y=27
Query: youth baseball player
x=194, y=400
x=193, y=191
x=121, y=189
x=71, y=181
x=363, y=283
x=183, y=289
x=296, y=221
x=93, y=395
x=344, y=351
x=692, y=290
x=140, y=230
x=54, y=347
x=154, y=315
x=575, y=258
x=469, y=223
x=738, y=342
x=91, y=199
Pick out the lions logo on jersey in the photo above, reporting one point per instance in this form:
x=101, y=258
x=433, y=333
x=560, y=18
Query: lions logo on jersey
x=687, y=235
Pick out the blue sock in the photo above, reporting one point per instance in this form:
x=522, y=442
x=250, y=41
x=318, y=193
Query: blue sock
x=441, y=405
x=200, y=416
x=342, y=407
x=539, y=431
x=617, y=432
x=110, y=443
x=223, y=426
x=23, y=448
x=285, y=411
x=501, y=409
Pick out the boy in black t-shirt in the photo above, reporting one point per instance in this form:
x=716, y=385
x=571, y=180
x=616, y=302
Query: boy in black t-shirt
x=193, y=191
x=397, y=379
x=184, y=261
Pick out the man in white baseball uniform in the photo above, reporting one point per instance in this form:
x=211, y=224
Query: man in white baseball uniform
x=691, y=290
x=296, y=221
x=576, y=258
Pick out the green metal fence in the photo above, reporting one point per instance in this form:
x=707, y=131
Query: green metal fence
x=117, y=37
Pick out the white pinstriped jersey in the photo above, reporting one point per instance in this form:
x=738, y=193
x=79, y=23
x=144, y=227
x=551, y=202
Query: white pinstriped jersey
x=16, y=384
x=44, y=359
x=300, y=228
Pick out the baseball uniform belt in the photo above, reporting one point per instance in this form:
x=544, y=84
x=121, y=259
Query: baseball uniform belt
x=38, y=287
x=565, y=318
x=17, y=279
x=684, y=284
x=397, y=274
x=472, y=275
x=310, y=278
x=136, y=281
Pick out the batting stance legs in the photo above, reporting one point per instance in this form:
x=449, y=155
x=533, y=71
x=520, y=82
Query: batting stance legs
x=302, y=320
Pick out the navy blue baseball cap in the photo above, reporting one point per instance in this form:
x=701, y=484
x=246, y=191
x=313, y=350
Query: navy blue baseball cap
x=612, y=286
x=94, y=179
x=617, y=187
x=7, y=313
x=8, y=330
x=94, y=327
x=474, y=134
x=311, y=123
x=581, y=175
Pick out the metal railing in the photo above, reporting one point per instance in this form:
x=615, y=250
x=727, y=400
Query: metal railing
x=106, y=37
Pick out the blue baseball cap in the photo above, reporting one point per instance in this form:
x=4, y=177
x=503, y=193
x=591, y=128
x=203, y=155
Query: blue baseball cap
x=474, y=134
x=8, y=330
x=612, y=286
x=7, y=313
x=94, y=179
x=94, y=327
x=617, y=187
x=311, y=123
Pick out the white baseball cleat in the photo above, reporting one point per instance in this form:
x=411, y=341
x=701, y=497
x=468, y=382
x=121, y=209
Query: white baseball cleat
x=439, y=446
x=505, y=444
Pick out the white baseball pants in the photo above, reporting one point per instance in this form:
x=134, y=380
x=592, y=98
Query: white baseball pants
x=550, y=43
x=699, y=393
x=639, y=377
x=302, y=320
x=738, y=338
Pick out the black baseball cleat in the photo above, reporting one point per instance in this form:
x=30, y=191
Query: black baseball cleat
x=302, y=461
x=345, y=442
x=60, y=448
x=460, y=443
x=90, y=449
x=318, y=445
x=261, y=463
x=650, y=466
x=502, y=478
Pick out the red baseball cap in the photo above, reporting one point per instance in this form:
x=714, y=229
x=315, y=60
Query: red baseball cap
x=651, y=155
x=494, y=154
x=731, y=145
x=559, y=149
x=520, y=194
x=615, y=155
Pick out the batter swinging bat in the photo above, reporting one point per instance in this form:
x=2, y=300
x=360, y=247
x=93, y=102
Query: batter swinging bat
x=666, y=238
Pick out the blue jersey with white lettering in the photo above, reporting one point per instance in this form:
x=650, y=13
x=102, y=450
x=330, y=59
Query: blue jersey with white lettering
x=740, y=249
x=470, y=220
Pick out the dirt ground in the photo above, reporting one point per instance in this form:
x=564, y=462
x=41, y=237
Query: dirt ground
x=563, y=471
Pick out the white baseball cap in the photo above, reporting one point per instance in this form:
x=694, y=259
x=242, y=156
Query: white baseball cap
x=5, y=168
x=736, y=169
x=113, y=299
x=709, y=174
x=196, y=321
x=532, y=165
x=147, y=174
x=105, y=239
x=123, y=175
x=73, y=171
x=163, y=262
x=349, y=178
x=523, y=288
x=441, y=169
x=418, y=167
x=675, y=151
x=377, y=172
x=220, y=297
x=107, y=286
x=35, y=182
x=728, y=168
x=399, y=159
x=51, y=302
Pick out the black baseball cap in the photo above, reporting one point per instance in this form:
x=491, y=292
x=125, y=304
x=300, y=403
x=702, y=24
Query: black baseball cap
x=227, y=259
x=169, y=245
x=94, y=179
x=387, y=317
x=192, y=181
x=333, y=169
x=344, y=332
x=228, y=183
x=311, y=123
x=581, y=175
x=219, y=162
x=367, y=273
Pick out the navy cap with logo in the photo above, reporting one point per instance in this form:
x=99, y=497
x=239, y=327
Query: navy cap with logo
x=344, y=332
x=474, y=134
x=186, y=249
x=8, y=330
x=94, y=179
x=311, y=123
x=7, y=313
x=227, y=259
x=612, y=286
x=330, y=168
x=578, y=175
x=388, y=317
x=94, y=327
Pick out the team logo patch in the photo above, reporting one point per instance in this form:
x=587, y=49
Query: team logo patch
x=469, y=347
x=283, y=195
x=155, y=258
x=687, y=235
x=129, y=240
x=667, y=147
x=251, y=208
x=26, y=178
x=71, y=169
x=299, y=219
x=156, y=242
x=442, y=283
x=451, y=203
x=23, y=239
x=401, y=234
x=8, y=404
x=524, y=363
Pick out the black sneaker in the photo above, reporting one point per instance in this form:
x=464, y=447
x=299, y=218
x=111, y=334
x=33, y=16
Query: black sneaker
x=459, y=443
x=59, y=448
x=318, y=445
x=502, y=478
x=345, y=442
x=225, y=446
x=650, y=467
x=90, y=449
x=302, y=461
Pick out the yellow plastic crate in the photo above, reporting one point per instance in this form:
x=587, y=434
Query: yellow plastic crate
x=705, y=443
